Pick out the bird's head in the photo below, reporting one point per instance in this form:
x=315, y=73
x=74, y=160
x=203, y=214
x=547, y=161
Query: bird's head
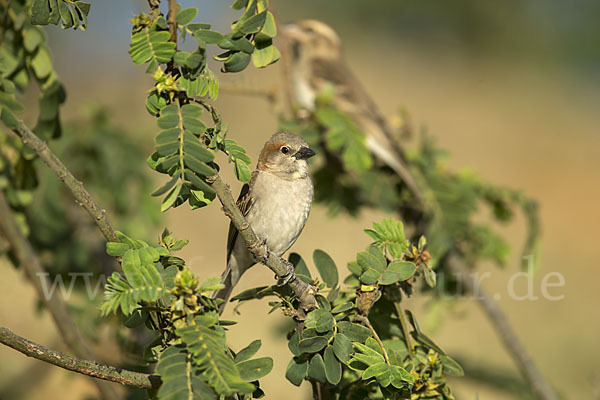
x=311, y=38
x=285, y=155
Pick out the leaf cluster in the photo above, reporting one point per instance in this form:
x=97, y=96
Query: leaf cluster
x=336, y=345
x=193, y=360
x=186, y=144
x=68, y=13
x=24, y=59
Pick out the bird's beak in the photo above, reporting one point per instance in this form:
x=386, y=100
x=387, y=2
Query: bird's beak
x=304, y=153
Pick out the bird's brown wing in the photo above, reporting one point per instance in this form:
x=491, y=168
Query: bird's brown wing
x=244, y=202
x=353, y=99
x=336, y=72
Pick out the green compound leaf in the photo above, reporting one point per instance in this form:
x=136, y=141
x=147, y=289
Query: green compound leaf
x=42, y=63
x=116, y=249
x=253, y=370
x=333, y=368
x=398, y=271
x=73, y=13
x=236, y=62
x=296, y=370
x=183, y=155
x=40, y=12
x=242, y=172
x=141, y=280
x=451, y=367
x=212, y=359
x=312, y=344
x=241, y=44
x=269, y=29
x=389, y=236
x=367, y=261
x=381, y=371
x=354, y=332
x=186, y=15
x=252, y=24
x=342, y=348
x=326, y=267
x=247, y=352
x=179, y=377
x=343, y=136
x=151, y=46
x=8, y=118
x=120, y=293
x=202, y=85
x=320, y=319
x=66, y=14
x=265, y=54
x=316, y=368
x=206, y=36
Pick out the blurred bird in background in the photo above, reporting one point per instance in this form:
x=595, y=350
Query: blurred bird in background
x=315, y=60
x=276, y=203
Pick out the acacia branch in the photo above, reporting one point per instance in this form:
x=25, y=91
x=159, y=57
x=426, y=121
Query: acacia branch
x=282, y=268
x=505, y=332
x=85, y=367
x=83, y=197
x=31, y=265
x=365, y=321
x=172, y=20
x=404, y=325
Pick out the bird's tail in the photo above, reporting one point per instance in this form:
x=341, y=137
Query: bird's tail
x=225, y=293
x=385, y=154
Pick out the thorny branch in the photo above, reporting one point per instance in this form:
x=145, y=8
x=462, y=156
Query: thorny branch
x=83, y=197
x=505, y=332
x=85, y=367
x=172, y=20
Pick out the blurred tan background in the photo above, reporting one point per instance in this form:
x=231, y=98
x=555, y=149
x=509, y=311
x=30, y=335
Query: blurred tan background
x=502, y=94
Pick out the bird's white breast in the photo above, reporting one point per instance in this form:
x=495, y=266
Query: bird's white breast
x=280, y=209
x=303, y=92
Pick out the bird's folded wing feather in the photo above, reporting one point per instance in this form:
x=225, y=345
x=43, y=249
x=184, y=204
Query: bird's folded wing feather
x=244, y=203
x=353, y=99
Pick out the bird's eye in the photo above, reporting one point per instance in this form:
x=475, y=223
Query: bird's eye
x=285, y=149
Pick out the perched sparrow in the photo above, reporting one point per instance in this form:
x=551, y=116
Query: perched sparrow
x=275, y=203
x=314, y=60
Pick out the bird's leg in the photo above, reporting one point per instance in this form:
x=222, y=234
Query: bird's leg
x=288, y=276
x=261, y=253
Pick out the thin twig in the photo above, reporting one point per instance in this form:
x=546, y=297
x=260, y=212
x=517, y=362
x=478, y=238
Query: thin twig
x=269, y=94
x=317, y=389
x=282, y=268
x=31, y=265
x=172, y=20
x=404, y=325
x=505, y=332
x=85, y=367
x=365, y=321
x=83, y=197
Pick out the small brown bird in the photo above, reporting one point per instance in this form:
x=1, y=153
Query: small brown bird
x=276, y=204
x=314, y=60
